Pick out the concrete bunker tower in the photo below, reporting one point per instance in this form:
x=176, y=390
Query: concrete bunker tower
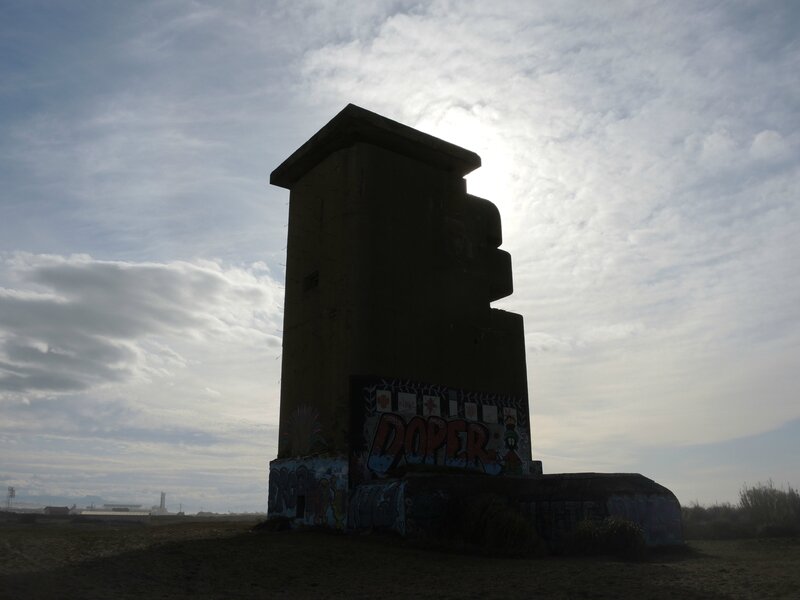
x=390, y=270
x=400, y=383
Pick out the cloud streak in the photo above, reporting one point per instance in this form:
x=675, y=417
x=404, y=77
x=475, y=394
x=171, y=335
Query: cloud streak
x=109, y=367
x=83, y=324
x=645, y=180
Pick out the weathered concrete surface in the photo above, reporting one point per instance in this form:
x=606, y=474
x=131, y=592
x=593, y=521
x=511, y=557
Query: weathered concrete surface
x=423, y=504
x=390, y=270
x=402, y=390
x=554, y=503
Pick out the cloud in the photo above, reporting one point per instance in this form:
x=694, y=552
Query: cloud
x=108, y=367
x=643, y=158
x=768, y=145
x=75, y=323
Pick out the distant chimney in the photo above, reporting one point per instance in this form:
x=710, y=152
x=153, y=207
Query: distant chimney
x=163, y=501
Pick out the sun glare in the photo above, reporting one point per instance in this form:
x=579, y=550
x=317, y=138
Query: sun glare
x=474, y=130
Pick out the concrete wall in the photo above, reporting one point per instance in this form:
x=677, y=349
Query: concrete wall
x=555, y=504
x=390, y=270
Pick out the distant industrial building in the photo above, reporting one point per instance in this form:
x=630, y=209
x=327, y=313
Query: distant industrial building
x=128, y=510
x=162, y=508
x=56, y=510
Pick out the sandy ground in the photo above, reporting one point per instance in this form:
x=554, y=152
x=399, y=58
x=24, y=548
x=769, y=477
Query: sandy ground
x=226, y=560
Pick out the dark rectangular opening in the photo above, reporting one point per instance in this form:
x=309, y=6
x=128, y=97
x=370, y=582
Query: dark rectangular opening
x=311, y=281
x=301, y=507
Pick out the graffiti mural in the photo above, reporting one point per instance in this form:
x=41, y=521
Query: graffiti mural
x=409, y=424
x=301, y=433
x=311, y=491
x=432, y=441
x=378, y=506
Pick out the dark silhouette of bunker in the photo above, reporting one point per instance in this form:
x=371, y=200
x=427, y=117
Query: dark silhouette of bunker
x=401, y=388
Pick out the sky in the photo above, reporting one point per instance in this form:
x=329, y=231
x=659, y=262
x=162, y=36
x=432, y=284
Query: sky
x=645, y=158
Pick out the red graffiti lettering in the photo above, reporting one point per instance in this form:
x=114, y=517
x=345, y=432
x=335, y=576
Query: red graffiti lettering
x=416, y=439
x=432, y=440
x=454, y=428
x=477, y=440
x=389, y=438
x=437, y=438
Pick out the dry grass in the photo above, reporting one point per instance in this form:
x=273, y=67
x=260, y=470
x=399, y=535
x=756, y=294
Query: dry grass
x=226, y=560
x=763, y=511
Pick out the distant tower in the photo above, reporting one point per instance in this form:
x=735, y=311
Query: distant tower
x=163, y=507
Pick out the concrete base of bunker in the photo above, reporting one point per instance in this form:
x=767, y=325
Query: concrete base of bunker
x=316, y=492
x=434, y=505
